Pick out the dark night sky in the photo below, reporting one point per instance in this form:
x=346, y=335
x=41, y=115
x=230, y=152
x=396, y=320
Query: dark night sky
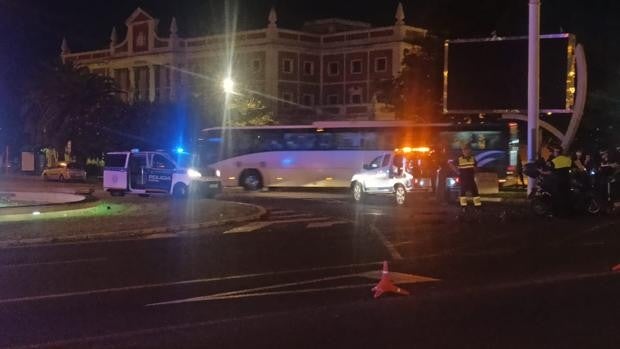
x=32, y=29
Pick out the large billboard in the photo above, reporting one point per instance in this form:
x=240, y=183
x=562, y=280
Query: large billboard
x=490, y=75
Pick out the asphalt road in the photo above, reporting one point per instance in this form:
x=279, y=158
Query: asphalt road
x=301, y=277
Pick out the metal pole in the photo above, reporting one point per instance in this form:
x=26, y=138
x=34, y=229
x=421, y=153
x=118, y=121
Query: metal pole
x=533, y=84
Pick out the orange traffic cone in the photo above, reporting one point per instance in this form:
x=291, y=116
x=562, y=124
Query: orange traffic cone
x=616, y=268
x=385, y=285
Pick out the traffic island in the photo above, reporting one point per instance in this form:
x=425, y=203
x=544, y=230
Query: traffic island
x=118, y=219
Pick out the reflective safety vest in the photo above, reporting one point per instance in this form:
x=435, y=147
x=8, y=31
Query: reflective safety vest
x=562, y=161
x=466, y=162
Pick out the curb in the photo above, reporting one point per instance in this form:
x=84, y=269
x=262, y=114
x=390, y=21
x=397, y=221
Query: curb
x=88, y=202
x=139, y=233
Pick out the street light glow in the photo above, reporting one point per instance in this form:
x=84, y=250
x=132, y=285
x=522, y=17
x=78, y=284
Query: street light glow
x=228, y=84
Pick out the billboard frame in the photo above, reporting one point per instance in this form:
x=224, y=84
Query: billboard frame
x=570, y=81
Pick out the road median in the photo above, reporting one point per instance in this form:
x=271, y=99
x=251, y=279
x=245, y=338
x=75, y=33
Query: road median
x=122, y=219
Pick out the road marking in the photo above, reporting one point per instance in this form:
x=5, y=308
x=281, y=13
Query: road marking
x=396, y=277
x=485, y=199
x=247, y=228
x=259, y=225
x=69, y=261
x=276, y=293
x=388, y=244
x=132, y=334
x=325, y=224
x=299, y=215
x=180, y=283
x=281, y=211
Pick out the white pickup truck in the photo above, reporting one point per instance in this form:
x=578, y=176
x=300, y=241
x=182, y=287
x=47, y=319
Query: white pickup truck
x=394, y=173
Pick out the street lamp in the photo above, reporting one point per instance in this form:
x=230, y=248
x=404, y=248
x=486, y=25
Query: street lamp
x=228, y=84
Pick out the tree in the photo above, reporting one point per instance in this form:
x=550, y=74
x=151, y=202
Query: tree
x=65, y=102
x=415, y=92
x=249, y=110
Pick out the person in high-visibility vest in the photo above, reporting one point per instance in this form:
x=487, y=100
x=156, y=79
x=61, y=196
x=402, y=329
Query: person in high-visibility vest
x=466, y=167
x=560, y=167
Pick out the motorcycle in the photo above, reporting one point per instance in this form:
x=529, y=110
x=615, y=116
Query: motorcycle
x=608, y=197
x=583, y=196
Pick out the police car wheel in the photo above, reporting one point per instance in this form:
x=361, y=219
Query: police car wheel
x=357, y=192
x=400, y=194
x=179, y=191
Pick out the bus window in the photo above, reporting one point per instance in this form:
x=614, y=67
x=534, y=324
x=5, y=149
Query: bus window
x=325, y=141
x=348, y=140
x=299, y=141
x=270, y=141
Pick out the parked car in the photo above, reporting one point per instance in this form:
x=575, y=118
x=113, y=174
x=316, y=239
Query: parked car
x=65, y=172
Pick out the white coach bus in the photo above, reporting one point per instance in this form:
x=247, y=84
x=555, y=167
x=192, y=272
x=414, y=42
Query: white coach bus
x=328, y=153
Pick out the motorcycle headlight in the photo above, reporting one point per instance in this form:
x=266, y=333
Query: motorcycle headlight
x=193, y=173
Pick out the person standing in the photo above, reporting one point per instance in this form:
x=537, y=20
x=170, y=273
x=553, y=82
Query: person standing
x=560, y=168
x=466, y=167
x=520, y=171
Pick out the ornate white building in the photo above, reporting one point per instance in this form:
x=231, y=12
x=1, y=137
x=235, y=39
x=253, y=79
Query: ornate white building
x=330, y=67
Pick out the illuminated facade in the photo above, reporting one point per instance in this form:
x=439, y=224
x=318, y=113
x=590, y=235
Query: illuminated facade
x=329, y=68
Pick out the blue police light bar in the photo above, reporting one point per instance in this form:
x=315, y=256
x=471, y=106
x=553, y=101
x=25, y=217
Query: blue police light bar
x=180, y=150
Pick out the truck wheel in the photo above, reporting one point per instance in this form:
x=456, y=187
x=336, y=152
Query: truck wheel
x=179, y=191
x=400, y=195
x=357, y=192
x=251, y=180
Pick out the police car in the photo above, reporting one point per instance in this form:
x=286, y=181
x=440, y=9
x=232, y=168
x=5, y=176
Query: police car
x=149, y=172
x=394, y=173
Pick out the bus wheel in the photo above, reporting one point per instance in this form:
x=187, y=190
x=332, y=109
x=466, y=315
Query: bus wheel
x=179, y=191
x=357, y=192
x=400, y=195
x=251, y=180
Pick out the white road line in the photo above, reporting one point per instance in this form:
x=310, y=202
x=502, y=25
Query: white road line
x=254, y=289
x=281, y=211
x=485, y=199
x=207, y=324
x=248, y=227
x=262, y=224
x=299, y=215
x=388, y=245
x=180, y=283
x=400, y=278
x=276, y=293
x=325, y=224
x=69, y=261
